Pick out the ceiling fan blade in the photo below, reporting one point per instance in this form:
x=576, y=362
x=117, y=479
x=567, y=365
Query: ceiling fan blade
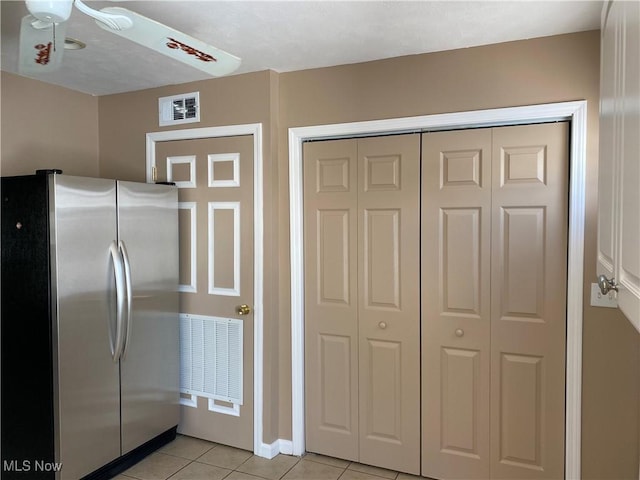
x=174, y=44
x=41, y=46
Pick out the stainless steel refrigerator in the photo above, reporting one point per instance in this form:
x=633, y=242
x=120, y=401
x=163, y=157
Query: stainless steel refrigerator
x=89, y=326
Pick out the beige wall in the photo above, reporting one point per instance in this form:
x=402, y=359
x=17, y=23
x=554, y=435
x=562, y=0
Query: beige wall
x=45, y=126
x=552, y=69
x=126, y=118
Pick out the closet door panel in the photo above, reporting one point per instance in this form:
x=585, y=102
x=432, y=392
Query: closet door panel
x=528, y=309
x=383, y=422
x=456, y=204
x=521, y=262
x=460, y=389
x=381, y=258
x=521, y=411
x=389, y=302
x=459, y=276
x=331, y=310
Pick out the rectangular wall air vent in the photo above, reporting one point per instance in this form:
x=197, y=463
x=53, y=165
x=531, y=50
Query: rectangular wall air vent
x=211, y=357
x=179, y=109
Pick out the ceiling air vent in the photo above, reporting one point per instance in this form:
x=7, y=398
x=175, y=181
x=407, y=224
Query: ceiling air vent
x=179, y=109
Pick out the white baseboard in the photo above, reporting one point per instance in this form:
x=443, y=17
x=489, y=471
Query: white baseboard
x=286, y=447
x=270, y=450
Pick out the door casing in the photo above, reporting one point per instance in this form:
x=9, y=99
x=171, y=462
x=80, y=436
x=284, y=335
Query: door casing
x=576, y=113
x=255, y=129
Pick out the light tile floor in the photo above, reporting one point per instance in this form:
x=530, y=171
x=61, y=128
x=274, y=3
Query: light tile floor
x=188, y=458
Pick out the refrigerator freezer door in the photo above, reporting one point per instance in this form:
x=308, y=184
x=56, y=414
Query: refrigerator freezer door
x=82, y=231
x=148, y=232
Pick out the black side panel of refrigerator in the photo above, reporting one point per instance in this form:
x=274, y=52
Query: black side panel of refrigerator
x=27, y=432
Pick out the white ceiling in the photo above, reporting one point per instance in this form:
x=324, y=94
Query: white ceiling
x=292, y=35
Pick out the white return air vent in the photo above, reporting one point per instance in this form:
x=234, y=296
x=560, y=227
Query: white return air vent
x=179, y=109
x=211, y=357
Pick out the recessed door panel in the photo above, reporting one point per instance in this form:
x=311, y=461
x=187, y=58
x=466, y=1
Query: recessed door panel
x=381, y=245
x=460, y=168
x=522, y=262
x=335, y=371
x=333, y=257
x=188, y=251
x=521, y=411
x=383, y=422
x=460, y=272
x=522, y=165
x=224, y=248
x=332, y=175
x=382, y=172
x=459, y=399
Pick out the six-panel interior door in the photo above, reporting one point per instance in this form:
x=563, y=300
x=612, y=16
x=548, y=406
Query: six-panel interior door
x=362, y=342
x=215, y=180
x=494, y=223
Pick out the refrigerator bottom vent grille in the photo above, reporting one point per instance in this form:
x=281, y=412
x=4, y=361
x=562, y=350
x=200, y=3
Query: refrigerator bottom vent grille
x=211, y=357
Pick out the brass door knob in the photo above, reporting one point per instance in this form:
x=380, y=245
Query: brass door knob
x=243, y=309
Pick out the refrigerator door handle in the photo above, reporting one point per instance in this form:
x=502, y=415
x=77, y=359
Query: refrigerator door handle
x=129, y=290
x=119, y=274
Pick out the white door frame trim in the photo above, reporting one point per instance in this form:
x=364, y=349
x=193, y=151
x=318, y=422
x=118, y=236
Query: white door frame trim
x=254, y=129
x=576, y=112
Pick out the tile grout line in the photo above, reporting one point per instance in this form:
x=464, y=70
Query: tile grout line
x=190, y=462
x=298, y=459
x=290, y=468
x=257, y=476
x=174, y=473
